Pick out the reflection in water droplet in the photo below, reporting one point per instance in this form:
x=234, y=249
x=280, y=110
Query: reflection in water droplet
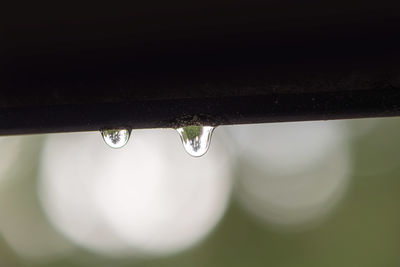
x=116, y=138
x=196, y=139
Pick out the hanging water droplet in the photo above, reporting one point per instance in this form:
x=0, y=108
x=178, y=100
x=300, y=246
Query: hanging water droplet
x=116, y=138
x=196, y=139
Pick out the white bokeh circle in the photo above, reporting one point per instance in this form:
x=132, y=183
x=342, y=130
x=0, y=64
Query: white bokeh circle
x=288, y=148
x=149, y=197
x=294, y=173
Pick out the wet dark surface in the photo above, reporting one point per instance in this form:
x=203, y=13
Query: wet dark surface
x=155, y=64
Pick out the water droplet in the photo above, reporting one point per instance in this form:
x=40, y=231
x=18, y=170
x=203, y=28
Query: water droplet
x=116, y=138
x=196, y=139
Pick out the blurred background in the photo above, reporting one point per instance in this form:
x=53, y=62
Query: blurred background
x=280, y=194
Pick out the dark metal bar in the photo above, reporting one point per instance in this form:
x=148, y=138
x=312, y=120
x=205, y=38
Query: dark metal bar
x=165, y=65
x=207, y=111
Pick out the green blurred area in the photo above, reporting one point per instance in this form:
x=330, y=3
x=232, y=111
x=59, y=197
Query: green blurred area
x=363, y=230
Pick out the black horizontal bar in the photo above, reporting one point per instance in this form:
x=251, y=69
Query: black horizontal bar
x=206, y=111
x=162, y=64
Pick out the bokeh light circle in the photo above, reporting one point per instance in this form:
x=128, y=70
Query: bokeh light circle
x=148, y=198
x=292, y=173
